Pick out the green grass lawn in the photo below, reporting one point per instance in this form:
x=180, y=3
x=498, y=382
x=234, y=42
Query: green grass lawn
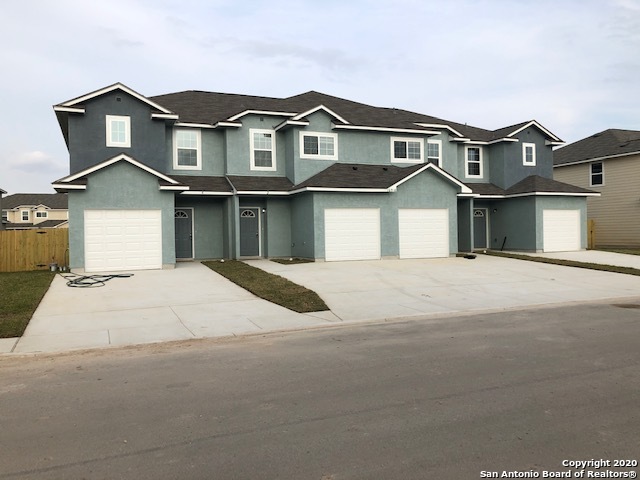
x=20, y=294
x=274, y=288
x=628, y=251
x=567, y=263
x=291, y=261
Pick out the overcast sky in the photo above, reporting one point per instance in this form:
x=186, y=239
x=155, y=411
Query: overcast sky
x=572, y=65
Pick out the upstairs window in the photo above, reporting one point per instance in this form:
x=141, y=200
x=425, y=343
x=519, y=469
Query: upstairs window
x=597, y=174
x=263, y=153
x=24, y=215
x=42, y=214
x=407, y=150
x=434, y=152
x=322, y=146
x=186, y=150
x=118, y=131
x=529, y=154
x=473, y=161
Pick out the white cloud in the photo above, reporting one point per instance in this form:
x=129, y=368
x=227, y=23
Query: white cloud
x=571, y=64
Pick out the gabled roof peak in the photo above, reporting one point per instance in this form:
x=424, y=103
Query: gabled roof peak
x=78, y=101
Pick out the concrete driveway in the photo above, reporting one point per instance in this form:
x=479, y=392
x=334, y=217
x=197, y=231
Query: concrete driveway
x=373, y=290
x=192, y=301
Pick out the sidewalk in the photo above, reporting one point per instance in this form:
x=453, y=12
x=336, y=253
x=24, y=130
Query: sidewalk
x=192, y=301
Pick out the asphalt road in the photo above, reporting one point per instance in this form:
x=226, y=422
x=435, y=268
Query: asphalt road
x=446, y=398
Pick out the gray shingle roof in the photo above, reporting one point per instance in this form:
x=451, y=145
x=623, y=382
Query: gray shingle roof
x=530, y=184
x=204, y=183
x=260, y=184
x=51, y=200
x=485, y=188
x=536, y=183
x=345, y=175
x=611, y=142
x=209, y=108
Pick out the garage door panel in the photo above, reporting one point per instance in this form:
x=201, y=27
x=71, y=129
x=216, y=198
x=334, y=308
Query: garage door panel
x=561, y=230
x=423, y=233
x=118, y=240
x=352, y=234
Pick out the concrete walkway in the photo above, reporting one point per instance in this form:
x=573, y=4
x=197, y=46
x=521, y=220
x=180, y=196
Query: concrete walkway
x=192, y=301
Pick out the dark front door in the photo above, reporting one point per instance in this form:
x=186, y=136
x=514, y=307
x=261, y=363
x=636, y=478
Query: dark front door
x=480, y=228
x=249, y=232
x=184, y=233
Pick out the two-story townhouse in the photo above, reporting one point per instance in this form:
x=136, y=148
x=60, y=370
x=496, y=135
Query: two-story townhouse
x=23, y=211
x=195, y=175
x=609, y=163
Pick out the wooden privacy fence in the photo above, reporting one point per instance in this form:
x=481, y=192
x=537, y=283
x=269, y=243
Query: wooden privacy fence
x=591, y=234
x=25, y=250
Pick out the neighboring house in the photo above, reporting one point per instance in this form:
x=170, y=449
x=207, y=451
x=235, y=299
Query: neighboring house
x=2, y=218
x=35, y=210
x=196, y=175
x=607, y=162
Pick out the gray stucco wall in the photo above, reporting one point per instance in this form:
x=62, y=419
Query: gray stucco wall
x=427, y=190
x=302, y=226
x=208, y=225
x=465, y=225
x=520, y=220
x=212, y=152
x=506, y=166
x=278, y=227
x=87, y=132
x=120, y=186
x=238, y=146
x=513, y=219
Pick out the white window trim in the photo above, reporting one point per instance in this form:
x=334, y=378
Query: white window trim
x=439, y=143
x=198, y=165
x=466, y=162
x=591, y=184
x=407, y=160
x=273, y=149
x=319, y=156
x=524, y=154
x=42, y=214
x=127, y=131
x=22, y=215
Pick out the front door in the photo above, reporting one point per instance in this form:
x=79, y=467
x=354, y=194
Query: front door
x=480, y=230
x=184, y=233
x=249, y=232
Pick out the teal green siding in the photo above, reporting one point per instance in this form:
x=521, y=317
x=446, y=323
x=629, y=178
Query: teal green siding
x=238, y=146
x=120, y=186
x=518, y=221
x=304, y=168
x=87, y=132
x=208, y=226
x=213, y=154
x=426, y=190
x=512, y=221
x=278, y=227
x=303, y=226
x=465, y=225
x=514, y=168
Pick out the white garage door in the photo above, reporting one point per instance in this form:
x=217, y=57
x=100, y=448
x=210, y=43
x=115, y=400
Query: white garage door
x=351, y=234
x=424, y=233
x=116, y=240
x=561, y=230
